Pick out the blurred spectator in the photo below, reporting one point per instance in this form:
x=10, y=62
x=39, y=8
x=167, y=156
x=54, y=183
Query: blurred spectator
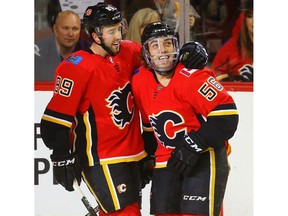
x=216, y=23
x=138, y=21
x=216, y=11
x=49, y=52
x=169, y=11
x=193, y=16
x=234, y=60
x=238, y=24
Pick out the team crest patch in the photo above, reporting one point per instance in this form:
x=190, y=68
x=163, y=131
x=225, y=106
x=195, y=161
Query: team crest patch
x=74, y=59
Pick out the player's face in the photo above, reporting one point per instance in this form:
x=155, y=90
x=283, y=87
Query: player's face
x=112, y=36
x=67, y=30
x=162, y=51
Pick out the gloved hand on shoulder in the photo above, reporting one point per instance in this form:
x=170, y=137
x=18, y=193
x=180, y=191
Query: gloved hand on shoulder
x=193, y=55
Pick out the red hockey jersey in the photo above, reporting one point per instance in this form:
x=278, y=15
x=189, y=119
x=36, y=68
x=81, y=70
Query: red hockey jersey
x=93, y=97
x=189, y=100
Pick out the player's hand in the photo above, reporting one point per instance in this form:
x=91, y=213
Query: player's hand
x=66, y=169
x=182, y=159
x=193, y=55
x=186, y=154
x=147, y=165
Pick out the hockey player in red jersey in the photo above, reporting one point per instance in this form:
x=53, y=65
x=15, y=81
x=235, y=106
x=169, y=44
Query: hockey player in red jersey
x=92, y=115
x=192, y=117
x=92, y=124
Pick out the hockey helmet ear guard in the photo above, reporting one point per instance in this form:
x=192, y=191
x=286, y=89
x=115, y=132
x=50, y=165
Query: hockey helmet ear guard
x=100, y=15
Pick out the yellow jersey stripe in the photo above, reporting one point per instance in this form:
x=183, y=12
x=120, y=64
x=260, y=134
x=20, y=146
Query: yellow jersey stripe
x=130, y=158
x=223, y=112
x=160, y=164
x=111, y=187
x=74, y=134
x=93, y=193
x=212, y=182
x=88, y=139
x=149, y=129
x=57, y=120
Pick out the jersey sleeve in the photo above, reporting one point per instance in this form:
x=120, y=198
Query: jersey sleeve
x=59, y=114
x=215, y=107
x=70, y=84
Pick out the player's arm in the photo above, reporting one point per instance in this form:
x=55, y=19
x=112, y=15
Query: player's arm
x=212, y=134
x=210, y=99
x=150, y=146
x=148, y=163
x=219, y=126
x=55, y=133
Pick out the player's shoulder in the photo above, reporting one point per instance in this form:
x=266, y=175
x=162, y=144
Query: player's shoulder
x=129, y=43
x=141, y=75
x=141, y=71
x=80, y=57
x=132, y=45
x=187, y=74
x=194, y=78
x=140, y=79
x=137, y=73
x=79, y=60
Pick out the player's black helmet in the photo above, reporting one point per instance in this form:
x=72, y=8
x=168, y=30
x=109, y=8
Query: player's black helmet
x=153, y=32
x=157, y=29
x=99, y=15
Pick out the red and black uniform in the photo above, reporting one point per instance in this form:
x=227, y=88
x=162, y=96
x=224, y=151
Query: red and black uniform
x=192, y=101
x=229, y=64
x=92, y=113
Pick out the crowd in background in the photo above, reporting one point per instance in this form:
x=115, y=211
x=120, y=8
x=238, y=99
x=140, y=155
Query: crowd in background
x=224, y=27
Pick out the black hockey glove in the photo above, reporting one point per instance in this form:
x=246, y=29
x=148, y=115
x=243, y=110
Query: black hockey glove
x=193, y=55
x=185, y=155
x=147, y=165
x=66, y=169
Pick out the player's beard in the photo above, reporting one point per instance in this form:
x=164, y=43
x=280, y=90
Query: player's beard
x=115, y=47
x=112, y=49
